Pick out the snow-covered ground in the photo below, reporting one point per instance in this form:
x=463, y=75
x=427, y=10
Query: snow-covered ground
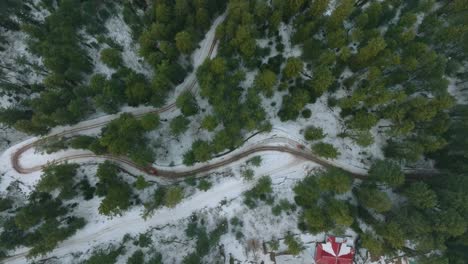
x=224, y=200
x=284, y=170
x=458, y=91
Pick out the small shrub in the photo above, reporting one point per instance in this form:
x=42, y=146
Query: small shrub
x=276, y=210
x=255, y=161
x=5, y=204
x=239, y=235
x=235, y=221
x=144, y=240
x=192, y=181
x=325, y=150
x=103, y=257
x=332, y=101
x=141, y=183
x=306, y=113
x=204, y=185
x=313, y=133
x=111, y=57
x=247, y=174
x=274, y=244
x=81, y=142
x=173, y=196
x=179, y=125
x=87, y=189
x=136, y=258
x=294, y=246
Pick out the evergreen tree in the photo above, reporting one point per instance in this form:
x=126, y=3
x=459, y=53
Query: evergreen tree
x=387, y=172
x=187, y=103
x=184, y=42
x=293, y=67
x=325, y=150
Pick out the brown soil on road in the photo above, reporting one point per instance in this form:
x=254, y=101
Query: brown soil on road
x=304, y=154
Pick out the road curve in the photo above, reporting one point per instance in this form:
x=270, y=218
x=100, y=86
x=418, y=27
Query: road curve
x=291, y=149
x=16, y=156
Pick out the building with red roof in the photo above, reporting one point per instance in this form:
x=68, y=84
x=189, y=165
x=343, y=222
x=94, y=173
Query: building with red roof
x=335, y=251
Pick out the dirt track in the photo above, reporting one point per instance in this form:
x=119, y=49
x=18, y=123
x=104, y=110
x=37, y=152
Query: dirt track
x=293, y=150
x=15, y=157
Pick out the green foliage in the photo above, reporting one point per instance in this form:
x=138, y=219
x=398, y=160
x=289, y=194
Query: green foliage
x=450, y=222
x=144, y=240
x=125, y=136
x=261, y=191
x=306, y=113
x=179, y=125
x=255, y=161
x=294, y=246
x=117, y=193
x=52, y=144
x=141, y=183
x=205, y=240
x=150, y=121
x=82, y=142
x=371, y=243
x=173, y=196
x=315, y=220
x=322, y=80
x=175, y=27
x=87, y=189
x=318, y=7
x=184, y=42
x=136, y=258
x=387, y=172
x=236, y=113
x=363, y=138
x=187, y=103
x=313, y=133
x=201, y=150
x=248, y=174
x=5, y=204
x=421, y=195
x=204, y=185
x=103, y=257
x=117, y=199
x=372, y=198
x=63, y=97
x=339, y=212
x=325, y=150
x=156, y=258
x=292, y=104
x=40, y=224
x=363, y=121
x=393, y=234
x=307, y=191
x=372, y=49
x=51, y=235
x=111, y=57
x=137, y=90
x=293, y=67
x=283, y=205
x=209, y=123
x=334, y=180
x=341, y=12
x=157, y=201
x=59, y=177
x=264, y=81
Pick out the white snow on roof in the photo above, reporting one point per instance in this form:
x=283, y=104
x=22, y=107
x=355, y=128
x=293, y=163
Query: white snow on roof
x=344, y=250
x=327, y=247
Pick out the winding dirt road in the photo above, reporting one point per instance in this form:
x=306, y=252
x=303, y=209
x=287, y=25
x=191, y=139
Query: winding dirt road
x=290, y=147
x=16, y=156
x=287, y=146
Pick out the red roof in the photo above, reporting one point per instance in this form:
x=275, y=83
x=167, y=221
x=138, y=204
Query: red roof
x=334, y=252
